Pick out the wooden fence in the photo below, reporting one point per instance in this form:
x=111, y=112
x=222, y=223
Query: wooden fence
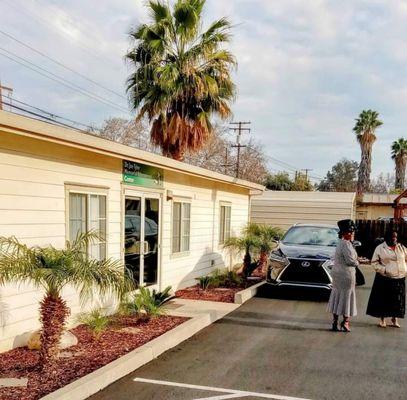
x=369, y=234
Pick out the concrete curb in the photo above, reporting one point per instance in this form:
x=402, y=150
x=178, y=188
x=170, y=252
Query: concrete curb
x=92, y=383
x=246, y=294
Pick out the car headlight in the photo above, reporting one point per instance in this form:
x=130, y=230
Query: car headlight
x=328, y=264
x=278, y=259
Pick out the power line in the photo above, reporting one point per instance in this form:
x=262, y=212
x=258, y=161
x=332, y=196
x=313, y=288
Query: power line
x=62, y=81
x=41, y=116
x=61, y=64
x=52, y=115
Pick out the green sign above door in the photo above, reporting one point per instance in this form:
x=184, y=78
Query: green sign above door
x=142, y=175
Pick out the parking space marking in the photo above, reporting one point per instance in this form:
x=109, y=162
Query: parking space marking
x=228, y=392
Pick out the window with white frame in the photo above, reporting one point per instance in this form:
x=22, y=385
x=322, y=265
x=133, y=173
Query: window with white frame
x=224, y=224
x=181, y=226
x=87, y=212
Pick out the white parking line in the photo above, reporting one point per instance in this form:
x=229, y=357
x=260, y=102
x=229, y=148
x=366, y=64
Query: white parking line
x=222, y=397
x=230, y=392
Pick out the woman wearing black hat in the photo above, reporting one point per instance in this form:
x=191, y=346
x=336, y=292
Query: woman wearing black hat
x=343, y=296
x=388, y=295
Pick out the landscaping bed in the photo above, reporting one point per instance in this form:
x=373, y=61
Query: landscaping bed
x=222, y=294
x=124, y=335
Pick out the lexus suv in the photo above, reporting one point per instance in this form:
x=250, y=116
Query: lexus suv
x=303, y=258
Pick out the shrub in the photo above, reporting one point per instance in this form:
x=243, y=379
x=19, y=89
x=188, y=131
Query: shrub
x=96, y=321
x=146, y=303
x=205, y=282
x=220, y=278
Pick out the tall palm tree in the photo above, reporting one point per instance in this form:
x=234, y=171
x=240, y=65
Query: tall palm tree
x=399, y=155
x=181, y=75
x=53, y=269
x=267, y=236
x=365, y=127
x=243, y=244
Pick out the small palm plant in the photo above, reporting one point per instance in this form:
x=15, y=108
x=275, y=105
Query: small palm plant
x=146, y=303
x=267, y=237
x=399, y=155
x=52, y=270
x=96, y=320
x=246, y=243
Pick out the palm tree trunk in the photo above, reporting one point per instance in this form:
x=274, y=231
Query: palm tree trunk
x=53, y=314
x=247, y=260
x=365, y=168
x=263, y=261
x=400, y=174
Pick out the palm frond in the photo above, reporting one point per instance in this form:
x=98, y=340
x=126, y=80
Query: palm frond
x=181, y=77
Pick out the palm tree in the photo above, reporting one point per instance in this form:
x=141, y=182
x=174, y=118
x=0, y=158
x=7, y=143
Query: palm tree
x=365, y=128
x=53, y=269
x=267, y=236
x=181, y=75
x=246, y=243
x=399, y=155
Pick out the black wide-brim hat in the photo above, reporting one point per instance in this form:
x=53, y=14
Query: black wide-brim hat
x=346, y=225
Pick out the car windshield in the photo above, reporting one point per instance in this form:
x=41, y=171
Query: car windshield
x=311, y=236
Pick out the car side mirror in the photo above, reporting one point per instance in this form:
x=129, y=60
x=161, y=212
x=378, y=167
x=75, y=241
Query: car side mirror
x=356, y=243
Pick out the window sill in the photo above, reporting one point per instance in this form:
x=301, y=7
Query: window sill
x=183, y=254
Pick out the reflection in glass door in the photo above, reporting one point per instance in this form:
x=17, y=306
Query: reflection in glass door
x=150, y=253
x=141, y=239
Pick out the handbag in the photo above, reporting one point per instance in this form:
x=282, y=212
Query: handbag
x=360, y=278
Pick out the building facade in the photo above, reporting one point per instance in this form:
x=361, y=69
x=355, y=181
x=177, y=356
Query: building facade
x=164, y=219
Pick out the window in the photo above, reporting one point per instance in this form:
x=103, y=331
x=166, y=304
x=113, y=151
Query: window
x=87, y=212
x=224, y=225
x=181, y=224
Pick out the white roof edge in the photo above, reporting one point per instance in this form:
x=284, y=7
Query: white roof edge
x=31, y=127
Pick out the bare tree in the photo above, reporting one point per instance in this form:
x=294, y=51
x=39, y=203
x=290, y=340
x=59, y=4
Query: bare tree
x=384, y=183
x=212, y=156
x=129, y=132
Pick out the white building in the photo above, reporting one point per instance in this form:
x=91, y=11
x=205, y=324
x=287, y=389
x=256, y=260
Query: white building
x=163, y=218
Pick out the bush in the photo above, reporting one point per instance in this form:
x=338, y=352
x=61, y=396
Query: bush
x=146, y=303
x=205, y=282
x=220, y=278
x=96, y=321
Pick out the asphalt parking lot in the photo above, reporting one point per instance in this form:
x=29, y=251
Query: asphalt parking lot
x=277, y=346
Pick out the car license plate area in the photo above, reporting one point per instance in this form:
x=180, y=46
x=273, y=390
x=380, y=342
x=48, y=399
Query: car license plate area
x=305, y=271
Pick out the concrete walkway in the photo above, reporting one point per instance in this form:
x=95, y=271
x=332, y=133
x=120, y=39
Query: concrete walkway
x=195, y=308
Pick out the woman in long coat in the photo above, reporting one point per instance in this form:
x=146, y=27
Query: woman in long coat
x=343, y=296
x=388, y=296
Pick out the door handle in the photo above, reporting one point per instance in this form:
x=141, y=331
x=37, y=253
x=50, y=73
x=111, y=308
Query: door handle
x=145, y=247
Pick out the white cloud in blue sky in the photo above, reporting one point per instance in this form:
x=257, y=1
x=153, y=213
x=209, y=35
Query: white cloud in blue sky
x=306, y=67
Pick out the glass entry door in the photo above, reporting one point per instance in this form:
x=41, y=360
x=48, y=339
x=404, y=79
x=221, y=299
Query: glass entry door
x=141, y=238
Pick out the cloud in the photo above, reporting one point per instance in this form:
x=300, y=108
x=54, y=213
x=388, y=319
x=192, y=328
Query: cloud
x=306, y=68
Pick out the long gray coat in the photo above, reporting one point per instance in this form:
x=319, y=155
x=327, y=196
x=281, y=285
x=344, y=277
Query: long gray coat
x=343, y=296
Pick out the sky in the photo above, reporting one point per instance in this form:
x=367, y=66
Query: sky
x=306, y=68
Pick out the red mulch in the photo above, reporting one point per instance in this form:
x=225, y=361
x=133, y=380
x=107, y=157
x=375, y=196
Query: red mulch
x=88, y=355
x=224, y=295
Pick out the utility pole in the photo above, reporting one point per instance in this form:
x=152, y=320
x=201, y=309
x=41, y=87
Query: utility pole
x=239, y=129
x=7, y=89
x=306, y=172
x=226, y=164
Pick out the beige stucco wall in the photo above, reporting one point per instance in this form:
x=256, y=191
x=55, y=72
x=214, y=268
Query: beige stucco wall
x=33, y=175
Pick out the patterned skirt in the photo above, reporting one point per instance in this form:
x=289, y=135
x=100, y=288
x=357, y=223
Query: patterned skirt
x=387, y=298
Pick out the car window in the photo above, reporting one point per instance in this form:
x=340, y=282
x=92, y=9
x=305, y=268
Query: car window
x=312, y=236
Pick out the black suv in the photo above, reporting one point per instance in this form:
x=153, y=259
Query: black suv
x=303, y=258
